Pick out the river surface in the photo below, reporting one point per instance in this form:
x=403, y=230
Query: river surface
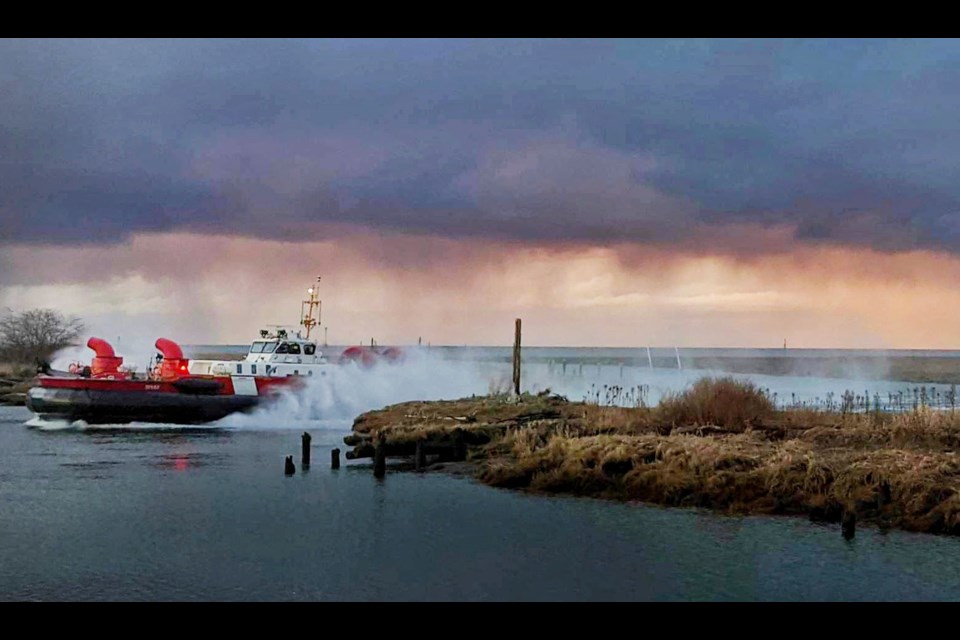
x=170, y=513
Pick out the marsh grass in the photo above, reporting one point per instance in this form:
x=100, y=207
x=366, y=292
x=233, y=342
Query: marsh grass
x=724, y=402
x=720, y=444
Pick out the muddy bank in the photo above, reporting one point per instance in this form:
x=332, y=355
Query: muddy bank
x=717, y=446
x=13, y=389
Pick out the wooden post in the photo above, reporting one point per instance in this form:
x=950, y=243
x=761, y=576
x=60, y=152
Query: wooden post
x=848, y=525
x=885, y=493
x=335, y=459
x=305, y=449
x=516, y=359
x=459, y=446
x=380, y=457
x=420, y=459
x=288, y=468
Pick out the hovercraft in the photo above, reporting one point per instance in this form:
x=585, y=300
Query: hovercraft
x=179, y=390
x=105, y=393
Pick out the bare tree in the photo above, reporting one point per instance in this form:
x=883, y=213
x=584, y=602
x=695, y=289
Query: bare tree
x=35, y=335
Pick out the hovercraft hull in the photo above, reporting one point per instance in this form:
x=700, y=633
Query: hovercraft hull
x=121, y=407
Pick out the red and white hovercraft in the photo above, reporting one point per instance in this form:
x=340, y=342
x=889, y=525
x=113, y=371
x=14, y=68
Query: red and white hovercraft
x=179, y=390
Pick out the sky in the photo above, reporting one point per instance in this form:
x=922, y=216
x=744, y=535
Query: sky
x=608, y=192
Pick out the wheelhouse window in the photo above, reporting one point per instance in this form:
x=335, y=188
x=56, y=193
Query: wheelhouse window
x=283, y=347
x=268, y=347
x=257, y=347
x=293, y=347
x=309, y=349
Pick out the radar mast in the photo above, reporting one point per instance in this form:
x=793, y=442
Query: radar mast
x=307, y=306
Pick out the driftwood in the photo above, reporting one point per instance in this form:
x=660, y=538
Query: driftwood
x=530, y=417
x=701, y=430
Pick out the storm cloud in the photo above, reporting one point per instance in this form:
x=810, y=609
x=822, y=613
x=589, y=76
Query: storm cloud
x=663, y=143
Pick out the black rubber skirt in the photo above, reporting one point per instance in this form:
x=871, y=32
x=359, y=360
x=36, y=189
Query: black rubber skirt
x=119, y=407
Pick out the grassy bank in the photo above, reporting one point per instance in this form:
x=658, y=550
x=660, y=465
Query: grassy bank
x=719, y=445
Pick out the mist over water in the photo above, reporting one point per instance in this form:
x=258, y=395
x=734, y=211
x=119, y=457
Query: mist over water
x=348, y=390
x=658, y=382
x=331, y=401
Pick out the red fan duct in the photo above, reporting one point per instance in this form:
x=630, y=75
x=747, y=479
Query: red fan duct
x=174, y=365
x=365, y=356
x=106, y=361
x=393, y=354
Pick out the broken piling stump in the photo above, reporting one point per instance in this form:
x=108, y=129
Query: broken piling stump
x=380, y=457
x=335, y=459
x=420, y=457
x=305, y=449
x=459, y=446
x=848, y=525
x=288, y=467
x=886, y=495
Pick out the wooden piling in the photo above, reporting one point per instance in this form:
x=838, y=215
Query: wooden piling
x=335, y=459
x=305, y=449
x=288, y=467
x=420, y=458
x=848, y=525
x=380, y=458
x=885, y=494
x=516, y=358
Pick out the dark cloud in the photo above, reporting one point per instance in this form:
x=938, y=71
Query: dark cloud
x=850, y=142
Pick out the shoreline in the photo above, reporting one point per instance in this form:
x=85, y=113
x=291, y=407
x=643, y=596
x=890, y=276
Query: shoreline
x=888, y=471
x=13, y=389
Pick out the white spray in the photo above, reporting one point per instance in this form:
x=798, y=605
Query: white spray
x=346, y=391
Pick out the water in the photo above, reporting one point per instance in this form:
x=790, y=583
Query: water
x=166, y=513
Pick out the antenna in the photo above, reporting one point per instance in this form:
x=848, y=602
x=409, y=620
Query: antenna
x=306, y=318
